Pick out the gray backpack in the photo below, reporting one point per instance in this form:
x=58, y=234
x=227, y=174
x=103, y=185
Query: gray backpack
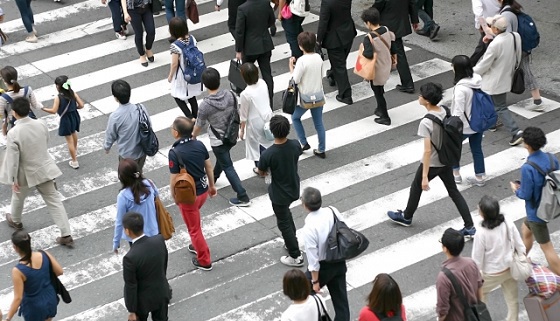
x=549, y=207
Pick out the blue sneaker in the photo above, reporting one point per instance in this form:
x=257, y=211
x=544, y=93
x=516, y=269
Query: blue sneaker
x=237, y=202
x=398, y=217
x=468, y=233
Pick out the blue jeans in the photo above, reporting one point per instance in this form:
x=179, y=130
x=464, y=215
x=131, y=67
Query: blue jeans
x=317, y=115
x=426, y=13
x=475, y=142
x=24, y=7
x=225, y=164
x=117, y=15
x=171, y=6
x=292, y=28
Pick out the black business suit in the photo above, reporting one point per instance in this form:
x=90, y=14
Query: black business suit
x=233, y=5
x=253, y=39
x=145, y=284
x=335, y=33
x=397, y=15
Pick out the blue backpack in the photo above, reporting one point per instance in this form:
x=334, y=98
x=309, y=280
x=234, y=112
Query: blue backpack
x=483, y=114
x=527, y=29
x=193, y=60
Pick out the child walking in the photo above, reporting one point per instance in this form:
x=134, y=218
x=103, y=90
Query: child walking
x=66, y=104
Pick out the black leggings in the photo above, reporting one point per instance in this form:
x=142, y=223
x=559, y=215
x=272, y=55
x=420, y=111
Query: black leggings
x=380, y=98
x=141, y=18
x=183, y=105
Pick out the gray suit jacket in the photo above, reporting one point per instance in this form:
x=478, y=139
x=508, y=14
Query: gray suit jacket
x=26, y=159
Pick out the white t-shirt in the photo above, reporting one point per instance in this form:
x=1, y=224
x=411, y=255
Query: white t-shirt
x=306, y=311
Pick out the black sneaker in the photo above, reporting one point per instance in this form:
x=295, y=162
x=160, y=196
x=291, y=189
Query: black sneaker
x=305, y=147
x=191, y=249
x=516, y=139
x=319, y=154
x=201, y=267
x=383, y=121
x=434, y=31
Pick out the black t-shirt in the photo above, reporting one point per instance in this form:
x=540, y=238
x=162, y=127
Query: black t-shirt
x=193, y=154
x=282, y=160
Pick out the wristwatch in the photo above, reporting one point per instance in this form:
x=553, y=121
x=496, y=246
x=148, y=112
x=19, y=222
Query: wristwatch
x=314, y=282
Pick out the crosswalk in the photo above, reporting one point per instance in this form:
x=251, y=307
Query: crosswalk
x=368, y=171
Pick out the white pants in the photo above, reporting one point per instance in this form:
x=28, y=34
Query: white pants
x=509, y=289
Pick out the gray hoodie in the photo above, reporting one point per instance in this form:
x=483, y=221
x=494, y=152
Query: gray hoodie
x=214, y=111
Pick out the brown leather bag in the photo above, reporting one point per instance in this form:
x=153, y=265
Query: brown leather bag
x=165, y=221
x=183, y=185
x=192, y=11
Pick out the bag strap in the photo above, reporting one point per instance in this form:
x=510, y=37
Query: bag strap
x=334, y=215
x=65, y=109
x=538, y=168
x=49, y=260
x=381, y=38
x=318, y=308
x=324, y=310
x=515, y=50
x=456, y=286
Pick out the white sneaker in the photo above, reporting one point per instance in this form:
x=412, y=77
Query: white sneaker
x=475, y=181
x=74, y=165
x=31, y=38
x=534, y=107
x=35, y=31
x=458, y=179
x=290, y=261
x=120, y=35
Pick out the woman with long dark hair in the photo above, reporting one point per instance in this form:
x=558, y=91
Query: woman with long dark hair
x=492, y=252
x=466, y=81
x=34, y=293
x=384, y=300
x=66, y=104
x=137, y=194
x=139, y=14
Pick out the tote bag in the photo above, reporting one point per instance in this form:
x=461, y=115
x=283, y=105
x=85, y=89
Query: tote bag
x=520, y=268
x=365, y=67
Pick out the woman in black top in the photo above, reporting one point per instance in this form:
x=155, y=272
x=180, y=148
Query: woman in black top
x=139, y=14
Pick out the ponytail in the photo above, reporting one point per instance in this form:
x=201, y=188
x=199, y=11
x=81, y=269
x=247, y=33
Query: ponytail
x=9, y=75
x=22, y=241
x=63, y=85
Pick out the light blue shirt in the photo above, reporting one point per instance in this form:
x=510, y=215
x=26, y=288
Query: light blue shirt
x=124, y=129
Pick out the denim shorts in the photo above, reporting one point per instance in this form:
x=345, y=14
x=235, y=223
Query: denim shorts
x=539, y=230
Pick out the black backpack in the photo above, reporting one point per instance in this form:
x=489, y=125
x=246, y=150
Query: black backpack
x=383, y=317
x=451, y=145
x=344, y=243
x=148, y=139
x=232, y=130
x=9, y=119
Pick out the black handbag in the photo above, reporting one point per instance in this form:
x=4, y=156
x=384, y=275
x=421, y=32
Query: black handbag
x=290, y=97
x=518, y=81
x=475, y=312
x=321, y=316
x=59, y=288
x=344, y=243
x=236, y=81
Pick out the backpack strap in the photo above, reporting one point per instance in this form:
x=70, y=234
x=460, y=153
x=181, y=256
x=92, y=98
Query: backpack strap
x=7, y=98
x=456, y=286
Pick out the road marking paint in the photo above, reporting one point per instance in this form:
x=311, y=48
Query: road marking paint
x=520, y=107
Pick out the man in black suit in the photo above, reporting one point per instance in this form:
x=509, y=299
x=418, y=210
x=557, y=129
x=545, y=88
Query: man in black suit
x=233, y=5
x=335, y=33
x=253, y=41
x=397, y=15
x=144, y=269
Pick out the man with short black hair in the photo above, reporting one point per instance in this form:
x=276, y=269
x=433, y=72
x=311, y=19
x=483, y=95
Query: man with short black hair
x=315, y=233
x=281, y=162
x=194, y=155
x=529, y=188
x=123, y=126
x=27, y=163
x=215, y=110
x=146, y=290
x=449, y=307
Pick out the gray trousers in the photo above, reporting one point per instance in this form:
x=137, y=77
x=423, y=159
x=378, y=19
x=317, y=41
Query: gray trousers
x=52, y=198
x=500, y=104
x=140, y=161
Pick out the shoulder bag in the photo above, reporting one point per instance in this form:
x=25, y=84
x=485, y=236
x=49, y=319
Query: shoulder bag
x=365, y=67
x=289, y=97
x=321, y=311
x=164, y=219
x=344, y=243
x=192, y=11
x=313, y=100
x=475, y=312
x=393, y=56
x=518, y=81
x=519, y=267
x=59, y=288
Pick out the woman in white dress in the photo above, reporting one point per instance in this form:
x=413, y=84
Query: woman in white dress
x=182, y=91
x=254, y=112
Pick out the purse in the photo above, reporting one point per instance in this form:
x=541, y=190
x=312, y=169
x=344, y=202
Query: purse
x=59, y=288
x=520, y=268
x=286, y=12
x=236, y=81
x=518, y=81
x=312, y=100
x=393, y=56
x=165, y=221
x=322, y=316
x=475, y=312
x=289, y=97
x=365, y=67
x=192, y=11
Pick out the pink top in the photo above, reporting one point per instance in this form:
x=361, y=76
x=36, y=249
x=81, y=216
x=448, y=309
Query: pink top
x=367, y=315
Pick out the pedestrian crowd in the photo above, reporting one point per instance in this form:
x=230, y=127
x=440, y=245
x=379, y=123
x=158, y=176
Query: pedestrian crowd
x=226, y=116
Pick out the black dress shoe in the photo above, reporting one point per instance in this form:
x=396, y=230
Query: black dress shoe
x=273, y=30
x=423, y=32
x=434, y=31
x=145, y=64
x=377, y=112
x=383, y=120
x=332, y=83
x=319, y=154
x=409, y=90
x=347, y=100
x=305, y=147
x=151, y=59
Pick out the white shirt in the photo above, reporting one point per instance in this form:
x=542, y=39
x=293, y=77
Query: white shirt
x=308, y=73
x=306, y=311
x=462, y=100
x=315, y=232
x=139, y=237
x=492, y=248
x=484, y=9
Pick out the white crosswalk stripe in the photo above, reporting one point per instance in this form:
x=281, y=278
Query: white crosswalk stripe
x=367, y=172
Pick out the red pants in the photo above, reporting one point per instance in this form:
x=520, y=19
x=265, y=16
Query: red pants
x=191, y=216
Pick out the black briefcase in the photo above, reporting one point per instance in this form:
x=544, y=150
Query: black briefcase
x=236, y=81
